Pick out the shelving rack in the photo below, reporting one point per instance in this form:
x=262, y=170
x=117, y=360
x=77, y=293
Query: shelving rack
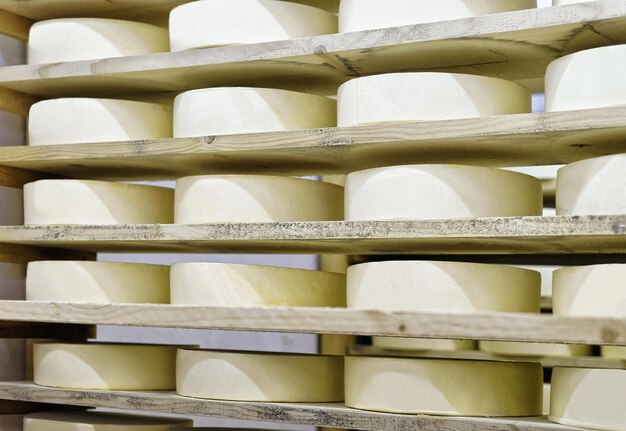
x=516, y=45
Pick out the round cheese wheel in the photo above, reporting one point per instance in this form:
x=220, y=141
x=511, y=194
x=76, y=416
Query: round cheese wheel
x=587, y=79
x=100, y=421
x=443, y=286
x=97, y=282
x=80, y=120
x=104, y=366
x=444, y=387
x=357, y=15
x=614, y=352
x=428, y=96
x=589, y=398
x=74, y=39
x=96, y=202
x=440, y=192
x=422, y=344
x=251, y=376
x=255, y=198
x=233, y=285
x=546, y=398
x=506, y=348
x=592, y=187
x=208, y=23
x=226, y=110
x=593, y=291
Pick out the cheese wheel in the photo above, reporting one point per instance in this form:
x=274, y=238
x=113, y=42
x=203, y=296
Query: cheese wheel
x=593, y=291
x=444, y=387
x=96, y=202
x=592, y=187
x=97, y=282
x=546, y=398
x=429, y=96
x=440, y=192
x=208, y=23
x=80, y=120
x=443, y=286
x=250, y=376
x=357, y=15
x=614, y=352
x=506, y=348
x=255, y=198
x=422, y=344
x=75, y=39
x=104, y=366
x=233, y=285
x=100, y=421
x=564, y=2
x=227, y=110
x=589, y=398
x=587, y=79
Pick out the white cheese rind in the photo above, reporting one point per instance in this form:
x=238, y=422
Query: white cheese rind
x=508, y=348
x=100, y=421
x=444, y=387
x=422, y=344
x=75, y=39
x=267, y=377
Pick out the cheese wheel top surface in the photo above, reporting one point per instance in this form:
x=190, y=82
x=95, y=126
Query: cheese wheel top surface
x=99, y=421
x=74, y=39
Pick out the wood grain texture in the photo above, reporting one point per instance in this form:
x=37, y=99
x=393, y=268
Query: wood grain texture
x=518, y=140
x=515, y=45
x=325, y=415
x=16, y=178
x=16, y=102
x=491, y=326
x=15, y=26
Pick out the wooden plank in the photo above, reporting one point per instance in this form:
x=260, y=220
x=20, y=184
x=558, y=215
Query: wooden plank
x=61, y=331
x=15, y=26
x=16, y=102
x=16, y=178
x=22, y=254
x=491, y=326
x=528, y=139
x=516, y=45
x=326, y=415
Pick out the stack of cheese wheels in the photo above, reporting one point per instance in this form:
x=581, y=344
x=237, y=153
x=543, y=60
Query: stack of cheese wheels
x=444, y=387
x=589, y=398
x=209, y=23
x=504, y=348
x=440, y=191
x=255, y=198
x=356, y=15
x=587, y=79
x=97, y=282
x=80, y=120
x=232, y=285
x=419, y=344
x=251, y=376
x=104, y=366
x=74, y=39
x=96, y=202
x=592, y=291
x=427, y=96
x=100, y=421
x=592, y=187
x=232, y=110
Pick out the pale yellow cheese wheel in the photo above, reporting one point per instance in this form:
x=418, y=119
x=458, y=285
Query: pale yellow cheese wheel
x=614, y=352
x=232, y=110
x=506, y=348
x=74, y=39
x=226, y=22
x=440, y=192
x=443, y=286
x=426, y=96
x=248, y=376
x=96, y=202
x=100, y=421
x=587, y=79
x=357, y=15
x=589, y=398
x=546, y=398
x=594, y=290
x=104, y=366
x=592, y=187
x=234, y=285
x=97, y=282
x=81, y=120
x=255, y=198
x=564, y=2
x=444, y=387
x=422, y=344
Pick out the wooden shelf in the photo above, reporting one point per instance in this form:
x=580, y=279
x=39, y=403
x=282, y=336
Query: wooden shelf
x=519, y=140
x=516, y=45
x=492, y=326
x=334, y=415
